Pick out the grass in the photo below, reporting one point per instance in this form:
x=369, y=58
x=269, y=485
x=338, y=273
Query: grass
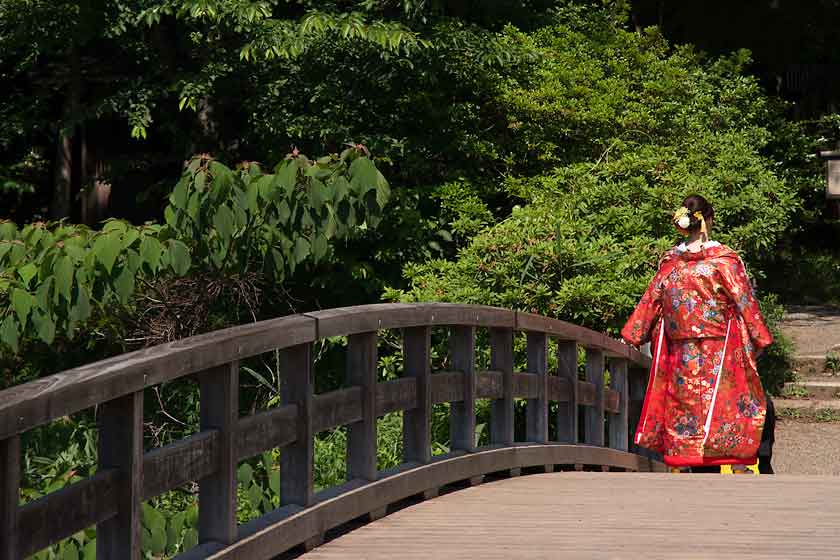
x=795, y=392
x=832, y=362
x=819, y=415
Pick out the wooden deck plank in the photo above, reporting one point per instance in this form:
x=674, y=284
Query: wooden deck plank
x=610, y=515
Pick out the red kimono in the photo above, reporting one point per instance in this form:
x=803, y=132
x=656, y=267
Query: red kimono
x=704, y=403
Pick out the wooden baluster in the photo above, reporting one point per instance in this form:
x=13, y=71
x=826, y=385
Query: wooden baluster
x=462, y=414
x=567, y=412
x=618, y=422
x=594, y=415
x=417, y=441
x=219, y=393
x=9, y=496
x=501, y=359
x=537, y=409
x=121, y=447
x=361, y=436
x=297, y=459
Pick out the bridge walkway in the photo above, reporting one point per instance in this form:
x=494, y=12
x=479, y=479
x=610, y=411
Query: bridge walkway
x=577, y=515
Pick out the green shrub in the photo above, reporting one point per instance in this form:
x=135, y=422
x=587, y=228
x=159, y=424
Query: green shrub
x=776, y=364
x=222, y=228
x=618, y=128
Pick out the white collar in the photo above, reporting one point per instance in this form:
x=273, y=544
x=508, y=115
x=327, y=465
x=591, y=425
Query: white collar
x=682, y=247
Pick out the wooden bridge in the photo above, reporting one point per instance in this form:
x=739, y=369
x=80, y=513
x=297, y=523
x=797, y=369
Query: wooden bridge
x=578, y=514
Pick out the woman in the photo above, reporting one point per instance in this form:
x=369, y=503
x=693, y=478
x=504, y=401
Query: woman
x=704, y=405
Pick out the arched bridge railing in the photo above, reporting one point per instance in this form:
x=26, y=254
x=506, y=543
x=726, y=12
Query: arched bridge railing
x=127, y=475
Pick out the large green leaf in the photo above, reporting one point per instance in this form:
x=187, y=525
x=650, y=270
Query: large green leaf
x=179, y=256
x=5, y=247
x=10, y=333
x=245, y=474
x=363, y=175
x=106, y=248
x=42, y=294
x=81, y=309
x=301, y=249
x=194, y=206
x=8, y=230
x=115, y=225
x=170, y=217
x=383, y=191
x=63, y=273
x=44, y=325
x=174, y=527
x=150, y=250
x=317, y=194
x=274, y=481
x=341, y=188
x=69, y=551
x=180, y=195
x=255, y=496
x=152, y=518
x=252, y=198
x=287, y=177
x=200, y=180
x=192, y=516
x=158, y=541
x=190, y=539
x=264, y=186
x=90, y=550
x=27, y=272
x=22, y=303
x=319, y=246
x=223, y=222
x=145, y=539
x=129, y=237
x=124, y=284
x=222, y=179
x=283, y=212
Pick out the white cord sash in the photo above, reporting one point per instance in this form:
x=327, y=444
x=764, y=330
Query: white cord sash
x=717, y=385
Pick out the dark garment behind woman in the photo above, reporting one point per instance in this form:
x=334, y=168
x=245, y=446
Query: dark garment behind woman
x=768, y=438
x=765, y=450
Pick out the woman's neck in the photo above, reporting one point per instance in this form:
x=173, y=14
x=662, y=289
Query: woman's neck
x=695, y=241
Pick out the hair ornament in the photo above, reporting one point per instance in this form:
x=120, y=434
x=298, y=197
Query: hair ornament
x=682, y=219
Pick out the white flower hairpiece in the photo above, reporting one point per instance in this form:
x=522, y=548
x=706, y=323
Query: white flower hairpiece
x=682, y=219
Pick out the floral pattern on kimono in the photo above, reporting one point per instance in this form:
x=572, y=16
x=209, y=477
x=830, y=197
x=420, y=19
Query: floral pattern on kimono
x=704, y=404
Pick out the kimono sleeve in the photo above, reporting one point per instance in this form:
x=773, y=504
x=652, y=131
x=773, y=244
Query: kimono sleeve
x=737, y=285
x=637, y=329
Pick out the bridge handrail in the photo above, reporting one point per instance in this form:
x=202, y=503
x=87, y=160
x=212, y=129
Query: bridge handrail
x=127, y=475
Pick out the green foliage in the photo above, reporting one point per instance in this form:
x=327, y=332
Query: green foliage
x=616, y=128
x=806, y=276
x=832, y=362
x=775, y=365
x=218, y=222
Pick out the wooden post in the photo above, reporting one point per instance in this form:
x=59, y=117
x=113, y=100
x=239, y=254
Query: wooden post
x=618, y=422
x=594, y=425
x=462, y=414
x=9, y=496
x=219, y=393
x=121, y=447
x=537, y=409
x=417, y=429
x=567, y=412
x=501, y=359
x=361, y=436
x=297, y=460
